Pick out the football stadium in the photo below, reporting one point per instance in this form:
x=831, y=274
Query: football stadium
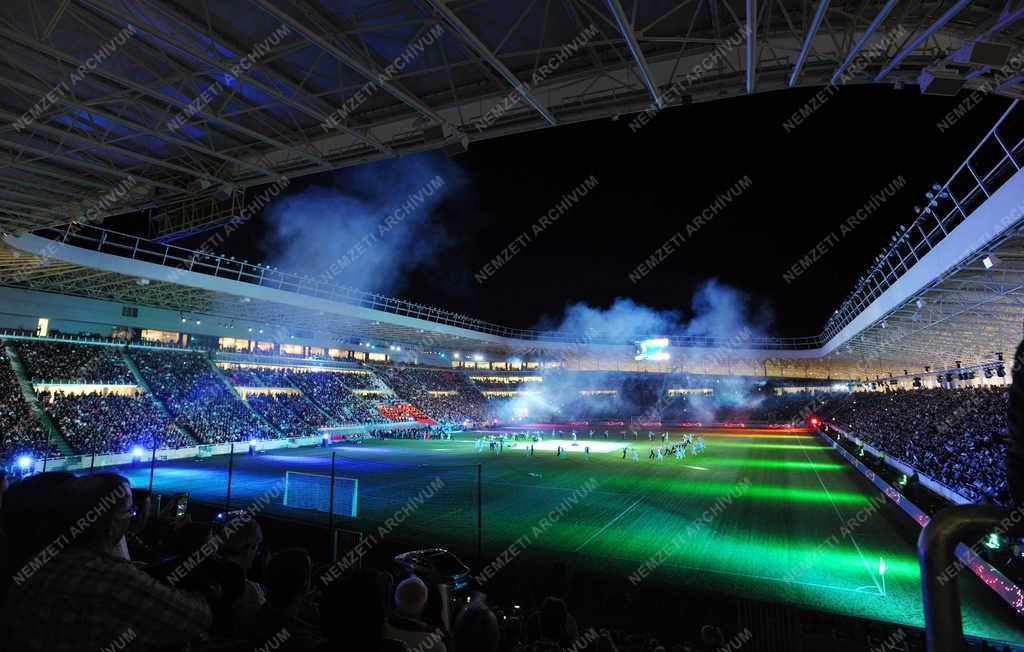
x=519, y=326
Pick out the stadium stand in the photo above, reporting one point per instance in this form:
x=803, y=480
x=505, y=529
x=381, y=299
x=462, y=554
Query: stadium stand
x=198, y=398
x=20, y=430
x=110, y=423
x=328, y=390
x=443, y=395
x=64, y=362
x=292, y=414
x=955, y=436
x=257, y=377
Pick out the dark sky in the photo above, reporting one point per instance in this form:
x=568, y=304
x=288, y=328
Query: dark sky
x=651, y=183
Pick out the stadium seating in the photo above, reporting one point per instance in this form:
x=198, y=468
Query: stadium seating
x=64, y=362
x=443, y=395
x=328, y=390
x=292, y=414
x=955, y=436
x=400, y=412
x=20, y=430
x=198, y=398
x=257, y=377
x=108, y=423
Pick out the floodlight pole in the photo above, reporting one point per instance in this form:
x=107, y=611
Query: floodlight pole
x=330, y=511
x=479, y=513
x=152, y=463
x=231, y=471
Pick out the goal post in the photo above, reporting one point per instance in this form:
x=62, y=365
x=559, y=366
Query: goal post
x=314, y=491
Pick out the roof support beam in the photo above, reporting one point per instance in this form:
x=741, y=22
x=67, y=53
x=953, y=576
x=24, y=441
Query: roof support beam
x=369, y=74
x=811, y=33
x=470, y=39
x=162, y=135
x=90, y=166
x=634, y=48
x=921, y=38
x=226, y=70
x=751, y=45
x=71, y=63
x=36, y=125
x=882, y=15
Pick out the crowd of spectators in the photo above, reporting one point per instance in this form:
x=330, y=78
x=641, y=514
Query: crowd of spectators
x=257, y=377
x=444, y=395
x=291, y=413
x=198, y=398
x=110, y=423
x=955, y=436
x=64, y=362
x=135, y=577
x=400, y=411
x=328, y=390
x=20, y=431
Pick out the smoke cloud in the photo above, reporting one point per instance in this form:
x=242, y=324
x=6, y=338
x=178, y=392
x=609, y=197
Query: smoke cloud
x=369, y=227
x=716, y=310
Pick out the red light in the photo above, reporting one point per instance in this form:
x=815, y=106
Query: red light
x=815, y=421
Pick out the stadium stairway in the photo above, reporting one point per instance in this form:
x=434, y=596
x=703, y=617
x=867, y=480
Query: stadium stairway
x=219, y=373
x=27, y=391
x=141, y=382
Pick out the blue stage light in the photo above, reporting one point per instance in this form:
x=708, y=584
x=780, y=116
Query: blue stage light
x=24, y=462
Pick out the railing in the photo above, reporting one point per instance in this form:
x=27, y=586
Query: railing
x=990, y=164
x=994, y=160
x=941, y=554
x=179, y=260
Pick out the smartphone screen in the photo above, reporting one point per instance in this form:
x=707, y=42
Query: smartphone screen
x=182, y=506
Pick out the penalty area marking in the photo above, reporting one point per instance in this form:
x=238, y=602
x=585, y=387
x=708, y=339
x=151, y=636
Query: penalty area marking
x=610, y=523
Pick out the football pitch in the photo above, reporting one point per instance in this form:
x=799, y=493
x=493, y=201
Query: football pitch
x=768, y=514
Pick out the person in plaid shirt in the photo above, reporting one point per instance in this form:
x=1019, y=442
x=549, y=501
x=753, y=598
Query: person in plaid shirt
x=81, y=593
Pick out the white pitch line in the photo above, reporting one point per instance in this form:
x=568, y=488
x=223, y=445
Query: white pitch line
x=839, y=514
x=609, y=523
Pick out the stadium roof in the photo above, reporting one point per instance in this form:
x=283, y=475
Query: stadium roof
x=195, y=101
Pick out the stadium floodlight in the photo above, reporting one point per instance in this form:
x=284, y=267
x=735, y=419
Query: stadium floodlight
x=477, y=357
x=989, y=261
x=456, y=355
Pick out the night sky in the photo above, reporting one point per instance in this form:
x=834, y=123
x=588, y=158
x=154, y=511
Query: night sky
x=653, y=182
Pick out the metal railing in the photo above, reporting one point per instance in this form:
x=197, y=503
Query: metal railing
x=179, y=260
x=942, y=554
x=990, y=164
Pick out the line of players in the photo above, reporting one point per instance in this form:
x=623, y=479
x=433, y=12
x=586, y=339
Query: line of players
x=695, y=444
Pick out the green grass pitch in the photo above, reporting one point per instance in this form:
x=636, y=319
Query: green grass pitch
x=770, y=515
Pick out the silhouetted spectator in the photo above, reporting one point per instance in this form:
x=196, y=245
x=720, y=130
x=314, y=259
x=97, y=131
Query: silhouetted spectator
x=87, y=596
x=352, y=613
x=279, y=621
